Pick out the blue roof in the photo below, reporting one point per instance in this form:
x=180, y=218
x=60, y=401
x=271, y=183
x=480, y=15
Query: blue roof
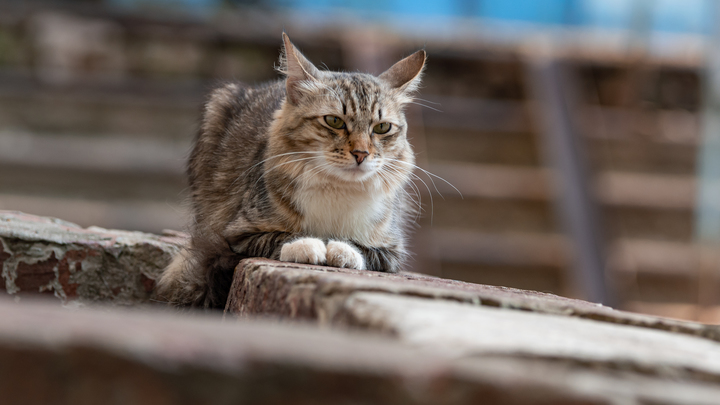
x=684, y=16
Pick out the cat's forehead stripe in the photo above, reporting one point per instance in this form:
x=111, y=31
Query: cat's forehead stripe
x=360, y=88
x=353, y=105
x=361, y=94
x=374, y=104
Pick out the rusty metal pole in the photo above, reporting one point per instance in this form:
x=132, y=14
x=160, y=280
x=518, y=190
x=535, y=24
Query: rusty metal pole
x=564, y=153
x=707, y=210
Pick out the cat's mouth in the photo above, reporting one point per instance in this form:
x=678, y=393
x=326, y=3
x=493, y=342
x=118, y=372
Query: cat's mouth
x=357, y=172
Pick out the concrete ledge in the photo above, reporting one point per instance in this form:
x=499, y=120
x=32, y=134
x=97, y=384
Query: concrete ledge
x=297, y=291
x=53, y=355
x=469, y=323
x=46, y=255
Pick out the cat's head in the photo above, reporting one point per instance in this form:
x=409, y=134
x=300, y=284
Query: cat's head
x=347, y=126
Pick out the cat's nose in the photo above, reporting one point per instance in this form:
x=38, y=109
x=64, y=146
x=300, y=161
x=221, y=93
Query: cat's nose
x=360, y=155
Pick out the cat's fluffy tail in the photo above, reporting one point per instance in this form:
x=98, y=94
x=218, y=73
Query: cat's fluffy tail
x=181, y=284
x=200, y=275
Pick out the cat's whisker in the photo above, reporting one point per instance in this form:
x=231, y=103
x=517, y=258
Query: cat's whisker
x=417, y=202
x=431, y=181
x=418, y=211
x=412, y=198
x=392, y=169
x=281, y=155
x=318, y=170
x=272, y=157
x=426, y=101
x=418, y=196
x=292, y=161
x=426, y=106
x=389, y=166
x=416, y=190
x=384, y=179
x=315, y=170
x=279, y=165
x=430, y=174
x=432, y=204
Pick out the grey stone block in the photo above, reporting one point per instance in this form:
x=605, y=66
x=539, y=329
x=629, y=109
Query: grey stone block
x=81, y=265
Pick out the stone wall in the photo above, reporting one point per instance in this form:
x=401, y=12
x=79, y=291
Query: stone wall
x=51, y=256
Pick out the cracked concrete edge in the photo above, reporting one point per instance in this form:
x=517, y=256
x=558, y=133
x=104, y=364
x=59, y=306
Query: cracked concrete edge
x=47, y=255
x=690, y=376
x=466, y=332
x=160, y=358
x=297, y=291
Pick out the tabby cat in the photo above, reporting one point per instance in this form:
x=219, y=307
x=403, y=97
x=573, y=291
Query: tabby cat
x=308, y=169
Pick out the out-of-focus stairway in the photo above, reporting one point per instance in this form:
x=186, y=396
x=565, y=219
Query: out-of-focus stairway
x=107, y=145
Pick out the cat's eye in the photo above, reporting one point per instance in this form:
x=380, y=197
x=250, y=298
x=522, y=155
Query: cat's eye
x=334, y=122
x=382, y=128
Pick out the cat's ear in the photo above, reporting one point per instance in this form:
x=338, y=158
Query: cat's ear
x=405, y=75
x=297, y=68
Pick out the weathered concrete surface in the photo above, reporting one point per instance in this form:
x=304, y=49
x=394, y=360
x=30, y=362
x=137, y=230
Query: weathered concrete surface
x=52, y=355
x=320, y=293
x=465, y=330
x=92, y=356
x=45, y=255
x=649, y=359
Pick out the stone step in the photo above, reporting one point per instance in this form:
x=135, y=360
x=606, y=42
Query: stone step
x=118, y=153
x=474, y=321
x=140, y=215
x=319, y=293
x=151, y=357
x=614, y=188
x=641, y=270
x=526, y=216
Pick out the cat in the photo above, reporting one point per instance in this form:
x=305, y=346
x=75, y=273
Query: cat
x=312, y=168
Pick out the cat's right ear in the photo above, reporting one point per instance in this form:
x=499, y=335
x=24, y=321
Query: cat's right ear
x=405, y=75
x=297, y=68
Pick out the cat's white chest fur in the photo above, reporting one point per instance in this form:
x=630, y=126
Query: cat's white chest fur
x=333, y=213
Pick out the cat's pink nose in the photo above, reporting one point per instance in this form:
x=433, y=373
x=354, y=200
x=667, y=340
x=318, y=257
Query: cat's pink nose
x=360, y=155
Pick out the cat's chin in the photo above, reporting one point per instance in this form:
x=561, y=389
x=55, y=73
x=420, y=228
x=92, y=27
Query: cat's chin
x=355, y=174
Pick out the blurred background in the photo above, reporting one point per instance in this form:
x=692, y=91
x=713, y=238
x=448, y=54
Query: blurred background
x=584, y=135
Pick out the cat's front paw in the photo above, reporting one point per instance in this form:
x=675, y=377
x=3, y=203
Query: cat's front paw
x=341, y=254
x=305, y=250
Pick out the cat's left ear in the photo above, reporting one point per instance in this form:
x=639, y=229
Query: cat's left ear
x=297, y=68
x=405, y=75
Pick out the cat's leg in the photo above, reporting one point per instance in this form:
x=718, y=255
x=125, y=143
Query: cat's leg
x=353, y=255
x=283, y=246
x=385, y=259
x=342, y=254
x=305, y=250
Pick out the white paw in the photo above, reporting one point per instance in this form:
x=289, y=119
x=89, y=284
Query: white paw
x=305, y=250
x=341, y=254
